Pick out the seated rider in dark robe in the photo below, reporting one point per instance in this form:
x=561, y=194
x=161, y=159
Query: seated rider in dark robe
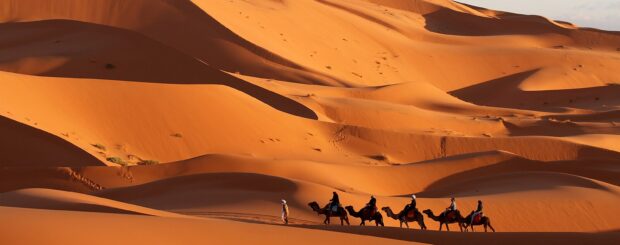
x=372, y=204
x=476, y=213
x=409, y=207
x=334, y=203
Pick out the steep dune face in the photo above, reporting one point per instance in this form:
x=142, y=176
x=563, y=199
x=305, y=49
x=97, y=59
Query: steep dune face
x=407, y=51
x=49, y=48
x=25, y=146
x=219, y=109
x=176, y=23
x=190, y=117
x=62, y=200
x=63, y=48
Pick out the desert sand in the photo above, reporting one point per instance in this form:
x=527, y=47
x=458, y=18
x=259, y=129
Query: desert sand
x=186, y=122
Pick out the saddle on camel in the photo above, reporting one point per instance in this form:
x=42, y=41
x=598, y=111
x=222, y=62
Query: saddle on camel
x=333, y=208
x=410, y=216
x=369, y=212
x=449, y=216
x=476, y=218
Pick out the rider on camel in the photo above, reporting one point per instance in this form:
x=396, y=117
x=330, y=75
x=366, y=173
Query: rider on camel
x=372, y=204
x=334, y=202
x=452, y=206
x=409, y=207
x=476, y=213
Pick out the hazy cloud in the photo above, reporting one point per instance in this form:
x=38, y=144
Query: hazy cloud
x=602, y=14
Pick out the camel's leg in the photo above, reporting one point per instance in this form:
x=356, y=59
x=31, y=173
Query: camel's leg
x=490, y=226
x=447, y=227
x=406, y=224
x=440, y=225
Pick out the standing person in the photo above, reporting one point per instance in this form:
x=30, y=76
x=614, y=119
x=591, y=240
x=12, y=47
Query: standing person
x=334, y=203
x=284, y=212
x=476, y=213
x=409, y=207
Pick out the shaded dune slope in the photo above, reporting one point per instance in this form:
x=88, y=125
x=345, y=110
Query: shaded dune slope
x=25, y=146
x=63, y=200
x=177, y=23
x=48, y=48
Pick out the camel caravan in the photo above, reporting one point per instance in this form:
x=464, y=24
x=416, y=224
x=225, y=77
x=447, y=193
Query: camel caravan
x=409, y=214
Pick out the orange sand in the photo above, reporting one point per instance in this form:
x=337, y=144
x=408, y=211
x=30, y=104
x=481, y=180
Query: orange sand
x=219, y=109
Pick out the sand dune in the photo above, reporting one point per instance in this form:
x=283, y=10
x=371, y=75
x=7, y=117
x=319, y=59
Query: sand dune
x=61, y=200
x=25, y=146
x=193, y=231
x=221, y=186
x=136, y=116
x=187, y=231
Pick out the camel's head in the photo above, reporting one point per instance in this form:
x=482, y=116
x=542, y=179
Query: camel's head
x=385, y=209
x=314, y=205
x=427, y=211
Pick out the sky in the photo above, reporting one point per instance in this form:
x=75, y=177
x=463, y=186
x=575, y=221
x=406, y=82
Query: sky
x=601, y=14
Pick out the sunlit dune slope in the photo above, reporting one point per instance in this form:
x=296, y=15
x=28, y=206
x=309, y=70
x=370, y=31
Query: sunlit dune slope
x=137, y=116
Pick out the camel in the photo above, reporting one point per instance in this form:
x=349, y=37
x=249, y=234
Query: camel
x=366, y=214
x=483, y=220
x=449, y=218
x=326, y=211
x=412, y=215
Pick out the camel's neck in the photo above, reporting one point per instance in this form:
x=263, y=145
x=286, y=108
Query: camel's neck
x=318, y=210
x=391, y=214
x=354, y=213
x=432, y=216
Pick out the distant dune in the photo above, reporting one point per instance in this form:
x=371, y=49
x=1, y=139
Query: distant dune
x=185, y=122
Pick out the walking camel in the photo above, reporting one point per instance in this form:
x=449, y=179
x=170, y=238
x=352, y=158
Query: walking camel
x=412, y=215
x=341, y=213
x=366, y=214
x=446, y=218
